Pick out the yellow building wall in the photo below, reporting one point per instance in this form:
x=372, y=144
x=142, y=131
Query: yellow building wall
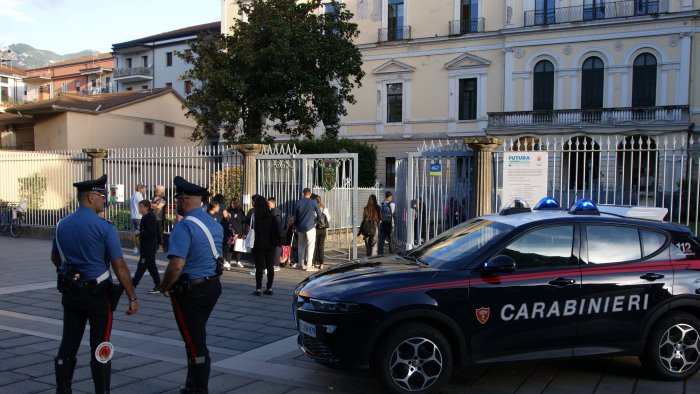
x=51, y=132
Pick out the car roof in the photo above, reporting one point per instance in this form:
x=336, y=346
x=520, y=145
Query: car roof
x=562, y=216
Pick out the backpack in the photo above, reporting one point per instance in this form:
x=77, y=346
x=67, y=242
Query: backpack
x=386, y=214
x=322, y=223
x=368, y=228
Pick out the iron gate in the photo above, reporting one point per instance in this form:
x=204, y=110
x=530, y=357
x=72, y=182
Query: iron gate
x=283, y=173
x=426, y=204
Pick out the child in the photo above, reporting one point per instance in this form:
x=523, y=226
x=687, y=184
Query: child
x=148, y=236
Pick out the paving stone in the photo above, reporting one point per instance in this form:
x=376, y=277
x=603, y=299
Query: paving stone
x=10, y=377
x=151, y=370
x=25, y=386
x=148, y=386
x=262, y=387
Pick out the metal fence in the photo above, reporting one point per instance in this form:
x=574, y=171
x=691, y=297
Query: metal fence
x=44, y=180
x=654, y=171
x=283, y=173
x=428, y=202
x=220, y=167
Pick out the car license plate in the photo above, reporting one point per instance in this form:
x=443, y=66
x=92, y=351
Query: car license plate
x=307, y=329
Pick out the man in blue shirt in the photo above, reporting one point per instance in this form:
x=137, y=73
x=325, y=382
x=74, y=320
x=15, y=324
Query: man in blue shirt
x=307, y=213
x=84, y=244
x=191, y=279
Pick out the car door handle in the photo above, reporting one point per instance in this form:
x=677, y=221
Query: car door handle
x=561, y=282
x=651, y=276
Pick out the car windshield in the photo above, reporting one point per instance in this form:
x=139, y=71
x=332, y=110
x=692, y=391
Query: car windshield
x=460, y=243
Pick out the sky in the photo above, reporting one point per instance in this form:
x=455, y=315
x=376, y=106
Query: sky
x=68, y=26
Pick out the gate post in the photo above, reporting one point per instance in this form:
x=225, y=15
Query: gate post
x=484, y=148
x=250, y=152
x=98, y=164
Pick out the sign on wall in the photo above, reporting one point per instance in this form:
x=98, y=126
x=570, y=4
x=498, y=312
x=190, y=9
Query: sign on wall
x=116, y=193
x=524, y=176
x=436, y=169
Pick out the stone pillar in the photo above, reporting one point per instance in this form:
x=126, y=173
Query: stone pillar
x=484, y=148
x=250, y=152
x=98, y=165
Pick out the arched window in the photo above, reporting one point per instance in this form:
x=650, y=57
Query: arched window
x=543, y=86
x=582, y=158
x=644, y=81
x=592, y=82
x=636, y=171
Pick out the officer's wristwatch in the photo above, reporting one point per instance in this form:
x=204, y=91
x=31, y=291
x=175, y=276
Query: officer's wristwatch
x=133, y=299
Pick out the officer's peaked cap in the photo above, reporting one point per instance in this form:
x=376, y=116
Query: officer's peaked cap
x=183, y=187
x=97, y=185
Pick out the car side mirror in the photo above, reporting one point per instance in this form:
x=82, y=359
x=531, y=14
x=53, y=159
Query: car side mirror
x=501, y=264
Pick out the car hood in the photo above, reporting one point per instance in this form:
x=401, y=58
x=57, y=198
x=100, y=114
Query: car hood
x=350, y=281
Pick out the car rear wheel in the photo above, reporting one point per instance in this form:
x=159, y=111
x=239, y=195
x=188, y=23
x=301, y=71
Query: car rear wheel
x=414, y=358
x=673, y=348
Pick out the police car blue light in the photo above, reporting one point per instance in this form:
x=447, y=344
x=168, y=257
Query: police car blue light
x=547, y=203
x=584, y=206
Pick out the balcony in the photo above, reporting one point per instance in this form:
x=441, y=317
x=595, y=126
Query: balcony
x=466, y=26
x=608, y=10
x=133, y=74
x=394, y=34
x=604, y=117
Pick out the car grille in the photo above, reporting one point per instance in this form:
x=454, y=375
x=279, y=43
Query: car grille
x=315, y=348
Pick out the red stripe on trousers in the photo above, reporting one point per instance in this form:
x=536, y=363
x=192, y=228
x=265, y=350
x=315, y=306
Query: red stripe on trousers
x=185, y=331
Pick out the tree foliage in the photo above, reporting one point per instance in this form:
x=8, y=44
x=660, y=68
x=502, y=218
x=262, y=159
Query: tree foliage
x=366, y=155
x=285, y=67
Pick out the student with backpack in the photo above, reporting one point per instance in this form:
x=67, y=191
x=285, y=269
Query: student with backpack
x=371, y=217
x=386, y=226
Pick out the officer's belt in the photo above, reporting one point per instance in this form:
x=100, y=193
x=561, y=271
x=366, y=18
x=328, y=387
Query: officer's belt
x=194, y=282
x=99, y=279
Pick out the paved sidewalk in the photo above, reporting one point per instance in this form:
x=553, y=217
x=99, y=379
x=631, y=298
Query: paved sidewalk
x=251, y=339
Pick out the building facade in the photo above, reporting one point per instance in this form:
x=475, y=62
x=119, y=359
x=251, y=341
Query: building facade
x=11, y=86
x=90, y=74
x=534, y=68
x=152, y=62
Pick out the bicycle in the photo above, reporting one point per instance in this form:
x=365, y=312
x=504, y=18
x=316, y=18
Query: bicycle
x=12, y=218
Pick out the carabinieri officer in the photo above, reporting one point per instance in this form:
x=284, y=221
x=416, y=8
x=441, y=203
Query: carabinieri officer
x=84, y=244
x=191, y=279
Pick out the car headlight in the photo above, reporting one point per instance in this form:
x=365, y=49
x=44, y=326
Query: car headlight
x=332, y=306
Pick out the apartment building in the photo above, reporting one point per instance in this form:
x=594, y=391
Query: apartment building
x=152, y=62
x=91, y=74
x=529, y=69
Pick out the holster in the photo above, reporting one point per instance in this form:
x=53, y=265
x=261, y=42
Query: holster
x=181, y=286
x=115, y=293
x=219, y=266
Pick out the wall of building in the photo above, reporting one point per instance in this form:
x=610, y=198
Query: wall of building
x=51, y=132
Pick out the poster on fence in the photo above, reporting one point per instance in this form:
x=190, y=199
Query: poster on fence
x=524, y=176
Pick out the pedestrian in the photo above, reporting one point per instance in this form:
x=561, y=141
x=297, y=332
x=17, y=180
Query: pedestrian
x=213, y=210
x=158, y=206
x=83, y=247
x=277, y=215
x=368, y=228
x=248, y=224
x=148, y=234
x=306, y=212
x=267, y=238
x=135, y=214
x=191, y=280
x=236, y=223
x=386, y=226
x=321, y=230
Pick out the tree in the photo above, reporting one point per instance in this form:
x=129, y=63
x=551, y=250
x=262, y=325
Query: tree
x=285, y=67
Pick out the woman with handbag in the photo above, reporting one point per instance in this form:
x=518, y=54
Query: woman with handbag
x=321, y=230
x=371, y=216
x=267, y=238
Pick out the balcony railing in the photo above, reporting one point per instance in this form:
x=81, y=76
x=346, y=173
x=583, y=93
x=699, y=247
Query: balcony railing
x=394, y=34
x=608, y=10
x=466, y=26
x=604, y=117
x=133, y=71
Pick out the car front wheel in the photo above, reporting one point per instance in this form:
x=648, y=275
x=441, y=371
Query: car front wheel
x=673, y=348
x=414, y=358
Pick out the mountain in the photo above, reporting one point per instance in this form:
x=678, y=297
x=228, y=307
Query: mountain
x=26, y=56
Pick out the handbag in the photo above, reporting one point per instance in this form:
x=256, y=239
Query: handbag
x=239, y=245
x=250, y=238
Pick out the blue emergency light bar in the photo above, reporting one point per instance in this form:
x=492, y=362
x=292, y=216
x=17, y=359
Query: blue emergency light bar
x=547, y=203
x=584, y=207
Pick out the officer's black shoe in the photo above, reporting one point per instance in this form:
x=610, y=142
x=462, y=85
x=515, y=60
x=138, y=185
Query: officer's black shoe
x=64, y=374
x=200, y=376
x=101, y=374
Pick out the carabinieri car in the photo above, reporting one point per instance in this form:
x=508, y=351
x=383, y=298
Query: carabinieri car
x=520, y=285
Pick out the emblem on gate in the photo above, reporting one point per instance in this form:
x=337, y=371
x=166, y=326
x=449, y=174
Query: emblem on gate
x=329, y=173
x=482, y=315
